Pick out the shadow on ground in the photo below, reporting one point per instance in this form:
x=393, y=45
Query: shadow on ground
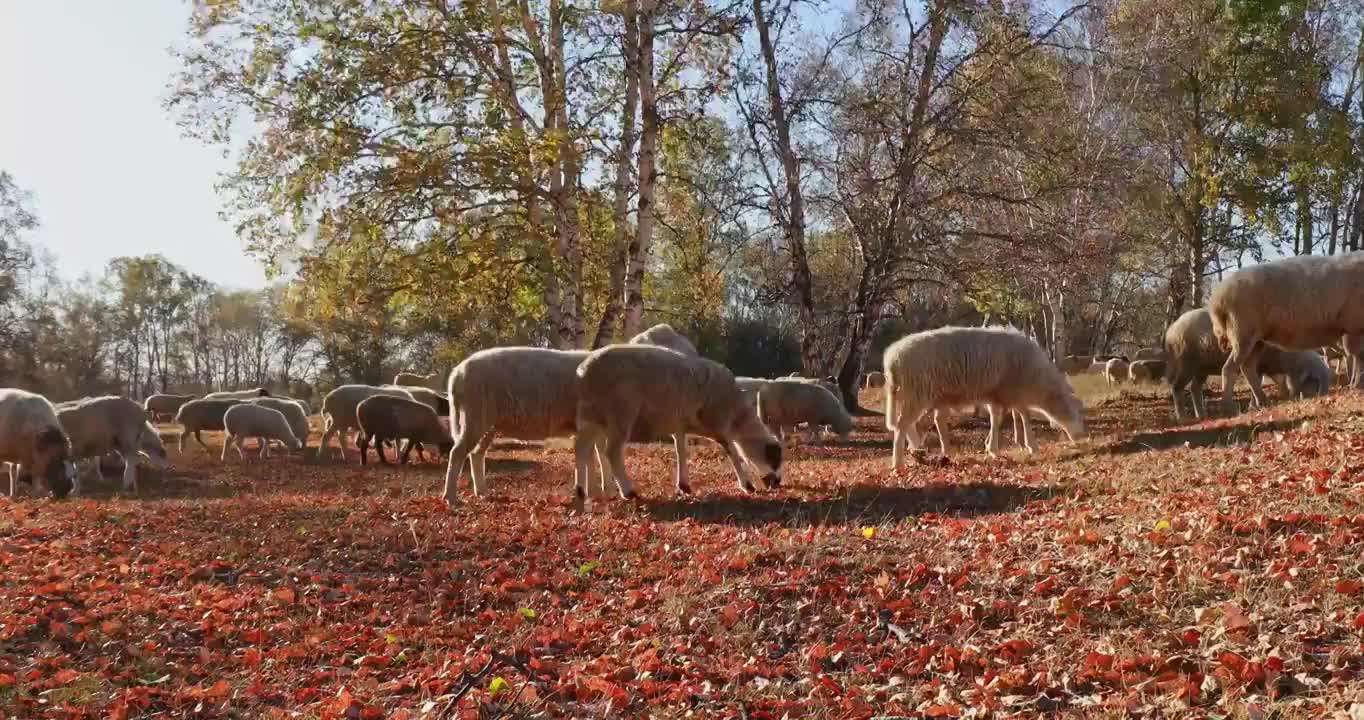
x=1224, y=436
x=860, y=504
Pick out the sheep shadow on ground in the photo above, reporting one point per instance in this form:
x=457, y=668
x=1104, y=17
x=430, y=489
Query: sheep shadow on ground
x=860, y=504
x=1225, y=436
x=151, y=483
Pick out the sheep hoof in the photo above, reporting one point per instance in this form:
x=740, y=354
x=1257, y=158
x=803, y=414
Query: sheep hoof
x=747, y=487
x=631, y=495
x=684, y=490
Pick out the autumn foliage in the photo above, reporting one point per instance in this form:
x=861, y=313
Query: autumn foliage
x=1206, y=570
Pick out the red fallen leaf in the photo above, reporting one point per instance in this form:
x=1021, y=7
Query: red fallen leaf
x=1300, y=544
x=1234, y=619
x=1099, y=660
x=1359, y=621
x=1233, y=662
x=1274, y=663
x=942, y=711
x=1349, y=587
x=285, y=595
x=1191, y=637
x=64, y=676
x=730, y=615
x=7, y=680
x=1045, y=586
x=219, y=690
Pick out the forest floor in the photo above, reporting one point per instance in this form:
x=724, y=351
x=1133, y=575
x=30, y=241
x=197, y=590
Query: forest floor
x=1211, y=569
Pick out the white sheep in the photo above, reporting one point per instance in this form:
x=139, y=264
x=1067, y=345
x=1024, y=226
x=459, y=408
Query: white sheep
x=196, y=416
x=411, y=378
x=520, y=392
x=623, y=388
x=1298, y=303
x=434, y=398
x=954, y=367
x=1148, y=354
x=238, y=394
x=164, y=406
x=665, y=336
x=293, y=411
x=786, y=403
x=33, y=443
x=1305, y=373
x=111, y=424
x=338, y=411
x=384, y=417
x=875, y=380
x=251, y=420
x=1115, y=371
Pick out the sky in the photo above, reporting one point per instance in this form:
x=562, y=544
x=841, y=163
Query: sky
x=83, y=128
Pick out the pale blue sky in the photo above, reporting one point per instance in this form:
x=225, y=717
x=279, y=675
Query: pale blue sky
x=82, y=127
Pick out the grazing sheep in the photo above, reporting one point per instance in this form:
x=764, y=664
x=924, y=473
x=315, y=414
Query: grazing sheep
x=162, y=406
x=293, y=411
x=384, y=417
x=1021, y=431
x=751, y=384
x=663, y=335
x=623, y=388
x=251, y=420
x=1115, y=371
x=196, y=416
x=1075, y=364
x=338, y=411
x=1148, y=354
x=955, y=367
x=1146, y=371
x=786, y=404
x=238, y=394
x=33, y=443
x=521, y=392
x=409, y=378
x=875, y=380
x=1297, y=303
x=435, y=398
x=111, y=424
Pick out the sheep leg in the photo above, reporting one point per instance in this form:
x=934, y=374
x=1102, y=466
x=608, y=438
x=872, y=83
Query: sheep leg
x=680, y=446
x=238, y=442
x=458, y=454
x=264, y=444
x=905, y=432
x=992, y=441
x=745, y=482
x=378, y=441
x=364, y=450
x=942, y=436
x=1200, y=404
x=584, y=445
x=200, y=439
x=13, y=479
x=74, y=469
x=222, y=457
x=129, y=472
x=615, y=453
x=327, y=432
x=1177, y=386
x=180, y=442
x=1021, y=419
x=406, y=453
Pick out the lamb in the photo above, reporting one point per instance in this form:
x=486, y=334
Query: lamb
x=338, y=411
x=874, y=380
x=33, y=443
x=1115, y=371
x=786, y=404
x=196, y=416
x=1141, y=371
x=111, y=424
x=411, y=378
x=164, y=406
x=293, y=412
x=1297, y=303
x=1075, y=364
x=954, y=367
x=521, y=392
x=663, y=335
x=251, y=420
x=1148, y=354
x=1305, y=373
x=436, y=399
x=384, y=417
x=623, y=388
x=238, y=394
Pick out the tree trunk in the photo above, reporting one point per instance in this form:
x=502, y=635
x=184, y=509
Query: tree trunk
x=648, y=143
x=1197, y=259
x=620, y=210
x=563, y=188
x=791, y=213
x=1060, y=329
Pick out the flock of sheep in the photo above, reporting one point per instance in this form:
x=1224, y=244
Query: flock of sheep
x=1265, y=320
